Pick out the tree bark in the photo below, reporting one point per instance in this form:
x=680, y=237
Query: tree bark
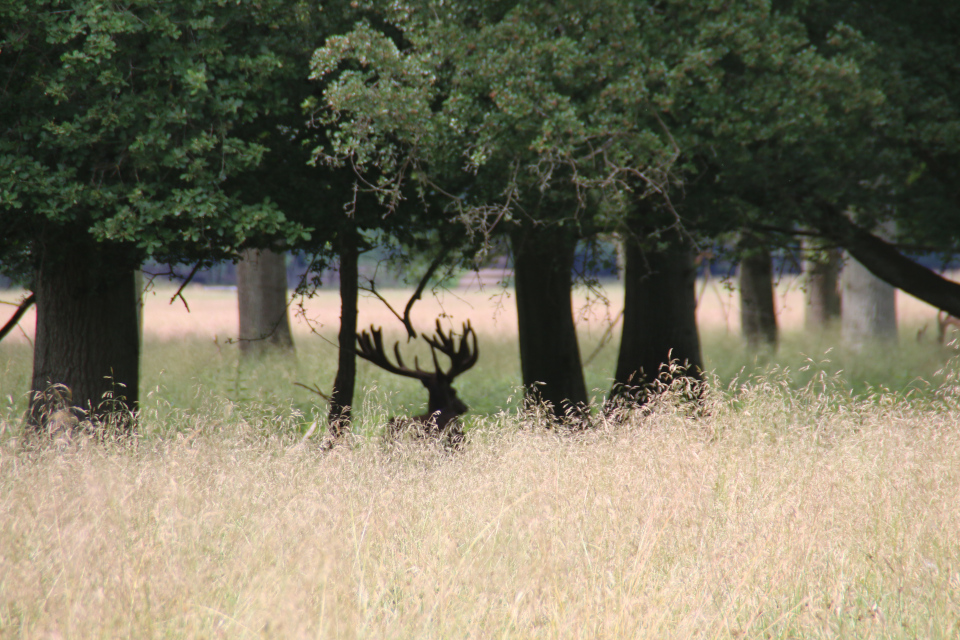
x=341, y=399
x=758, y=315
x=869, y=307
x=549, y=353
x=262, y=297
x=822, y=272
x=87, y=353
x=659, y=317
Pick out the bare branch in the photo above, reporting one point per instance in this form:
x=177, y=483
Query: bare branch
x=179, y=293
x=15, y=318
x=418, y=293
x=314, y=389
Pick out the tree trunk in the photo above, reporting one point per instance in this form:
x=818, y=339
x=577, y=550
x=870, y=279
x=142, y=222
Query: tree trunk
x=822, y=270
x=341, y=400
x=758, y=315
x=86, y=357
x=262, y=295
x=869, y=307
x=659, y=317
x=549, y=352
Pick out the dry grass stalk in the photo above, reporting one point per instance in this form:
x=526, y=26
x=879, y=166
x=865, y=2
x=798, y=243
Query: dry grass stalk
x=775, y=515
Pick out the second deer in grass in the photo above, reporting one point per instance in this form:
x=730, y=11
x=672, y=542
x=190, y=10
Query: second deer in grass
x=443, y=406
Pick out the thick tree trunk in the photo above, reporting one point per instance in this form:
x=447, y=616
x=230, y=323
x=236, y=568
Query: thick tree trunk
x=869, y=307
x=659, y=317
x=822, y=273
x=262, y=295
x=341, y=400
x=758, y=314
x=87, y=353
x=549, y=352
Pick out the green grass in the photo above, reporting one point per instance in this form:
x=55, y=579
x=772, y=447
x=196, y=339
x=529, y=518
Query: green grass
x=187, y=375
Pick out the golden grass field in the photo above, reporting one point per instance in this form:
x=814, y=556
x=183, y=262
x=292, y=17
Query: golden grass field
x=783, y=509
x=774, y=517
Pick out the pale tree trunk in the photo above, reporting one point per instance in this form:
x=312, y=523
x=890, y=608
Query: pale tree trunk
x=869, y=307
x=86, y=359
x=549, y=352
x=821, y=269
x=659, y=317
x=262, y=296
x=758, y=315
x=869, y=311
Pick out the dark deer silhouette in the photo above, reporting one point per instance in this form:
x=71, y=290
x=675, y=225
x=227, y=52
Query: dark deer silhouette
x=443, y=406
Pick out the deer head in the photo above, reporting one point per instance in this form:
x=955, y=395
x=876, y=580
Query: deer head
x=443, y=406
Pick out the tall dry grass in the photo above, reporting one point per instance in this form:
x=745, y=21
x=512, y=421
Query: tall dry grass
x=774, y=514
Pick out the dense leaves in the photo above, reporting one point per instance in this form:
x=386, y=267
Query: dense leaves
x=120, y=124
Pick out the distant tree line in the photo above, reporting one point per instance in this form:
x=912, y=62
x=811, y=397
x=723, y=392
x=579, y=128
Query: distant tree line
x=444, y=132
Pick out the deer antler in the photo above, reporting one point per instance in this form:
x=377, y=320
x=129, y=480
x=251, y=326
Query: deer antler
x=462, y=357
x=370, y=347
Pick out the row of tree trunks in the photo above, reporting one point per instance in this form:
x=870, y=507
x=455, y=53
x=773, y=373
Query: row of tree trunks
x=88, y=330
x=86, y=357
x=867, y=313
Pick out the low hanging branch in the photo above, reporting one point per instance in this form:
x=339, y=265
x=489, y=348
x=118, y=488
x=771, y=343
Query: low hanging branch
x=887, y=263
x=22, y=309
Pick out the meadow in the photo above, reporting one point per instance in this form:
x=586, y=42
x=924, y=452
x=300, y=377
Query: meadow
x=815, y=495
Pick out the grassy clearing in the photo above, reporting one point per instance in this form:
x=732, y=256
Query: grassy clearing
x=781, y=514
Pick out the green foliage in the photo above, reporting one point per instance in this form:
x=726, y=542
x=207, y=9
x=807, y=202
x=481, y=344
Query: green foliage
x=737, y=114
x=514, y=111
x=121, y=122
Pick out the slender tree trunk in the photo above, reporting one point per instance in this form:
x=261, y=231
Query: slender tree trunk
x=869, y=307
x=87, y=350
x=822, y=270
x=341, y=400
x=262, y=296
x=549, y=352
x=758, y=314
x=659, y=317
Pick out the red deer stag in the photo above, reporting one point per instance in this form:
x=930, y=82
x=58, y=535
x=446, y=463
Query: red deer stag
x=444, y=407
